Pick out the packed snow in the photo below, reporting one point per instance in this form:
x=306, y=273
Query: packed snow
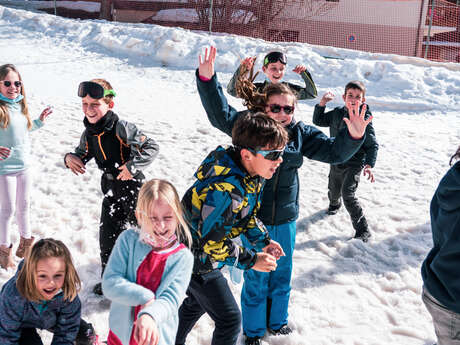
x=344, y=291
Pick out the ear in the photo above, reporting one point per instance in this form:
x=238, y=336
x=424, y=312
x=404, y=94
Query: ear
x=264, y=69
x=246, y=155
x=343, y=96
x=363, y=100
x=111, y=104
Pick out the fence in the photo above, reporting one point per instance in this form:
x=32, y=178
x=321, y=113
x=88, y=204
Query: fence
x=423, y=28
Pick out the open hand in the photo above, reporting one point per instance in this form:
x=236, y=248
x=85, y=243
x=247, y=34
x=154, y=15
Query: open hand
x=4, y=152
x=124, y=175
x=146, y=331
x=75, y=164
x=299, y=69
x=356, y=123
x=367, y=171
x=248, y=62
x=48, y=110
x=327, y=97
x=206, y=66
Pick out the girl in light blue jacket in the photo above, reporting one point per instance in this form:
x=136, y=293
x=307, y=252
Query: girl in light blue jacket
x=149, y=270
x=15, y=125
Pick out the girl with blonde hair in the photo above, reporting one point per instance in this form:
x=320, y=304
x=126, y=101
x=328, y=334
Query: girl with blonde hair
x=149, y=270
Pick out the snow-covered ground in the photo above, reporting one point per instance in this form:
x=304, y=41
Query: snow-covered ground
x=344, y=291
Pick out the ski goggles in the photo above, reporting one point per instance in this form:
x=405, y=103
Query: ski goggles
x=275, y=57
x=8, y=83
x=271, y=155
x=276, y=108
x=94, y=90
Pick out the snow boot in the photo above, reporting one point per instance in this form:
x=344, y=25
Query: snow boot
x=283, y=330
x=24, y=246
x=6, y=257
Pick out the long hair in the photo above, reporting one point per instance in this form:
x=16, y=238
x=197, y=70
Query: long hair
x=47, y=248
x=254, y=100
x=4, y=114
x=160, y=189
x=456, y=155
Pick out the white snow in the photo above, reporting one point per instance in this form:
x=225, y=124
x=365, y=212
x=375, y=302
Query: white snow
x=344, y=291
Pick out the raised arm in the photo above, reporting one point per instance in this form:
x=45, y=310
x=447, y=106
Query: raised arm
x=309, y=91
x=320, y=117
x=220, y=113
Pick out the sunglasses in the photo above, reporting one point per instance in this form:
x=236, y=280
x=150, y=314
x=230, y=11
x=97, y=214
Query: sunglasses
x=271, y=155
x=94, y=90
x=276, y=108
x=8, y=83
x=275, y=57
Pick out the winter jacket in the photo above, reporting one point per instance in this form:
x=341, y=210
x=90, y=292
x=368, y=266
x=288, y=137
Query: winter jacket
x=59, y=316
x=280, y=198
x=16, y=137
x=440, y=268
x=170, y=271
x=307, y=92
x=113, y=142
x=220, y=206
x=367, y=154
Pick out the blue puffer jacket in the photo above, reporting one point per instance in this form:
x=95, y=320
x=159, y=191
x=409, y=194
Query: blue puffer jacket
x=220, y=206
x=59, y=316
x=280, y=198
x=440, y=269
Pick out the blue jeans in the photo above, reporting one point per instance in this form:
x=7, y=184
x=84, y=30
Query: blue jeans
x=259, y=287
x=446, y=322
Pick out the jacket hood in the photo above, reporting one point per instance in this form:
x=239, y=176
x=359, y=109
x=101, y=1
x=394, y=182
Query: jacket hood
x=220, y=162
x=448, y=193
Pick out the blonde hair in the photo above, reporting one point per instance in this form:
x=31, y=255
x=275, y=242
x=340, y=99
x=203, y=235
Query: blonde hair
x=160, y=189
x=4, y=113
x=47, y=248
x=106, y=85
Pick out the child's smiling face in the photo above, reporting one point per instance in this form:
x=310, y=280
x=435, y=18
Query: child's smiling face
x=274, y=71
x=94, y=109
x=50, y=275
x=160, y=223
x=12, y=91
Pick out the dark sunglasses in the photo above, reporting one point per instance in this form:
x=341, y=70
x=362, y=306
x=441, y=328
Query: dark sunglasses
x=94, y=90
x=276, y=108
x=275, y=57
x=271, y=155
x=7, y=83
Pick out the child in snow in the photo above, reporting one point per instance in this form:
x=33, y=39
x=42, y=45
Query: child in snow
x=220, y=206
x=149, y=270
x=15, y=125
x=265, y=296
x=121, y=151
x=441, y=291
x=344, y=178
x=43, y=294
x=274, y=67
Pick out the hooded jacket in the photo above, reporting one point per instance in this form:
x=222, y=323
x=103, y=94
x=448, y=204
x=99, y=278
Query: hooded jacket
x=280, y=198
x=440, y=268
x=220, y=206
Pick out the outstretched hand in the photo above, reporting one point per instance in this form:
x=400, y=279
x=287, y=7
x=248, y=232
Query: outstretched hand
x=47, y=111
x=299, y=69
x=206, y=66
x=356, y=123
x=4, y=152
x=124, y=175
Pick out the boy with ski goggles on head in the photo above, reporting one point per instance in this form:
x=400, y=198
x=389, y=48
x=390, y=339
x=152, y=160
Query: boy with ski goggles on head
x=121, y=151
x=274, y=67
